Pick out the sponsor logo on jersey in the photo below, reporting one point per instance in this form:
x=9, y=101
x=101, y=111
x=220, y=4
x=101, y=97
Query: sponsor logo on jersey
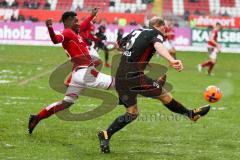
x=127, y=53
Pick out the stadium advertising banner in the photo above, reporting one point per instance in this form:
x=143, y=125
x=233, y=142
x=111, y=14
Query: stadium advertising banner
x=227, y=38
x=185, y=38
x=182, y=36
x=37, y=33
x=25, y=33
x=206, y=21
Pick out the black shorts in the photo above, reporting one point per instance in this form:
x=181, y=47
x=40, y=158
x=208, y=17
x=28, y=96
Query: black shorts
x=128, y=88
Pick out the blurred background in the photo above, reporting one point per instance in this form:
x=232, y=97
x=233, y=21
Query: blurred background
x=21, y=21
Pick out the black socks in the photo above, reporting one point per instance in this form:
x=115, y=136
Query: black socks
x=120, y=122
x=177, y=107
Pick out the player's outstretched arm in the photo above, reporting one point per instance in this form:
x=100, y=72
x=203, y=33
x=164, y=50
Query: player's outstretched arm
x=86, y=22
x=55, y=38
x=176, y=64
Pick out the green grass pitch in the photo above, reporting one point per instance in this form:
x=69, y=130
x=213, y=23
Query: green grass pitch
x=157, y=134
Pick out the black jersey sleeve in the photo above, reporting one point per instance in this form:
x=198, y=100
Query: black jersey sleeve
x=157, y=37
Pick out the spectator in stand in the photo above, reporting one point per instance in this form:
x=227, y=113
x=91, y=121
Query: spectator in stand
x=147, y=1
x=186, y=15
x=133, y=23
x=21, y=18
x=15, y=4
x=11, y=3
x=112, y=3
x=25, y=4
x=34, y=4
x=225, y=14
x=33, y=19
x=13, y=18
x=17, y=18
x=47, y=5
x=197, y=12
x=3, y=3
x=115, y=21
x=128, y=11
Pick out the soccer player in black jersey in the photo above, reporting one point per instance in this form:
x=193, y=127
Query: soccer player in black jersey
x=138, y=48
x=100, y=44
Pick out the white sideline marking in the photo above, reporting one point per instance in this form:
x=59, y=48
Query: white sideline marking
x=4, y=81
x=6, y=71
x=24, y=82
x=218, y=108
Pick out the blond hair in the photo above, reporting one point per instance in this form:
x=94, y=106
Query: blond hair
x=156, y=21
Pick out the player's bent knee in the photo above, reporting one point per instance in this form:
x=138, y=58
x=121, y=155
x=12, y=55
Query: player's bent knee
x=132, y=109
x=131, y=116
x=70, y=99
x=66, y=104
x=213, y=61
x=165, y=98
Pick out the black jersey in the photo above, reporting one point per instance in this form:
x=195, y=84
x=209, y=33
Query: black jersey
x=138, y=49
x=101, y=33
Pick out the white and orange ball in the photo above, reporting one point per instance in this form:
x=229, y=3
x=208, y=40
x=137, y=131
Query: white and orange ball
x=212, y=94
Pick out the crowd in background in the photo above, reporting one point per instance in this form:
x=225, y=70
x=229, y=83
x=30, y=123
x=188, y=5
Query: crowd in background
x=34, y=4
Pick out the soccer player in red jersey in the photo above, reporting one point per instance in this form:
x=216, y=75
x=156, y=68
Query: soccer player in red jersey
x=83, y=74
x=213, y=49
x=91, y=39
x=169, y=42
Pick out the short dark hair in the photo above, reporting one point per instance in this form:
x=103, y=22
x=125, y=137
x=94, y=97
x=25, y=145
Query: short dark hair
x=68, y=14
x=218, y=24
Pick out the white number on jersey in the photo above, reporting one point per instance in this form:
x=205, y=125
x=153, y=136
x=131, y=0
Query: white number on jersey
x=135, y=34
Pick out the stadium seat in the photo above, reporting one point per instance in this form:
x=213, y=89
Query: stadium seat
x=76, y=4
x=63, y=4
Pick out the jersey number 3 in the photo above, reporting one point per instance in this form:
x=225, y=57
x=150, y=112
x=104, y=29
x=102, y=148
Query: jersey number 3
x=134, y=35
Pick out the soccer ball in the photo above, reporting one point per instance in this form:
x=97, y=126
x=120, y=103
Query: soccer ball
x=212, y=94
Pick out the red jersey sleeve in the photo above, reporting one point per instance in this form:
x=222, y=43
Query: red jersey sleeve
x=84, y=25
x=55, y=37
x=59, y=38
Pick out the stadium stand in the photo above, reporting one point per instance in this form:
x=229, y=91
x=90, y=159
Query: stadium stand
x=177, y=10
x=122, y=6
x=202, y=7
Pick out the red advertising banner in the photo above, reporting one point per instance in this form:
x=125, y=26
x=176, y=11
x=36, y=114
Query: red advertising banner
x=206, y=21
x=42, y=15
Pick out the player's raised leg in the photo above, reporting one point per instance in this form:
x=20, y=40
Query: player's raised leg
x=46, y=112
x=177, y=107
x=80, y=80
x=213, y=59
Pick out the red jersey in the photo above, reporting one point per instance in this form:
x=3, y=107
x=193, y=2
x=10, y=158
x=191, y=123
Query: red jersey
x=88, y=35
x=170, y=33
x=75, y=47
x=214, y=36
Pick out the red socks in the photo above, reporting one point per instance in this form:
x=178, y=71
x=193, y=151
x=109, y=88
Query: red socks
x=205, y=64
x=50, y=110
x=210, y=68
x=208, y=64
